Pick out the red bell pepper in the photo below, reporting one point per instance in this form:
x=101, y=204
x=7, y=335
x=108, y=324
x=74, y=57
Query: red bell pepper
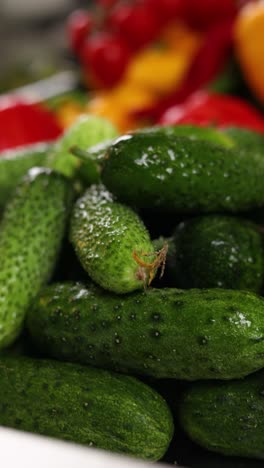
x=203, y=14
x=207, y=64
x=24, y=123
x=221, y=110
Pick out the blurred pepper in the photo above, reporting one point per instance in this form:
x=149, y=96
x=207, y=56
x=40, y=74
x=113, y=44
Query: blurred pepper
x=207, y=63
x=118, y=104
x=203, y=14
x=206, y=109
x=249, y=45
x=161, y=69
x=24, y=123
x=152, y=73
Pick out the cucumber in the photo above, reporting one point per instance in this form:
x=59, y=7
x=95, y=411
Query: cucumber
x=247, y=141
x=226, y=417
x=193, y=132
x=15, y=163
x=162, y=333
x=86, y=131
x=178, y=174
x=218, y=251
x=31, y=232
x=105, y=235
x=95, y=154
x=84, y=405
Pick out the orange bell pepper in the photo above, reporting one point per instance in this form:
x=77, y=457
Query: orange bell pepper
x=249, y=45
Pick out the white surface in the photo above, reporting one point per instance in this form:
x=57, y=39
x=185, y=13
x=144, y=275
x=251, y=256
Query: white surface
x=19, y=449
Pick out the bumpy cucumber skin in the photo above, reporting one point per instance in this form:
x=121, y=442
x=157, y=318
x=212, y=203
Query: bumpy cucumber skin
x=84, y=405
x=14, y=164
x=163, y=333
x=105, y=234
x=31, y=232
x=226, y=417
x=182, y=175
x=218, y=251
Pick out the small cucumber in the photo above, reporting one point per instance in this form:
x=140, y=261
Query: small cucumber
x=179, y=174
x=31, y=232
x=15, y=163
x=226, y=417
x=163, y=333
x=84, y=405
x=108, y=237
x=218, y=252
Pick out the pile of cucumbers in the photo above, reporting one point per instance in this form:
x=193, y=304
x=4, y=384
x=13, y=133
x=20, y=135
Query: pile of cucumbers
x=126, y=260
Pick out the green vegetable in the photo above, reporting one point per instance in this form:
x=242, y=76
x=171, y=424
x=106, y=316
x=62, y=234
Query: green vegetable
x=163, y=333
x=218, y=251
x=30, y=238
x=88, y=130
x=95, y=154
x=15, y=163
x=209, y=134
x=84, y=405
x=106, y=236
x=247, y=141
x=226, y=417
x=182, y=175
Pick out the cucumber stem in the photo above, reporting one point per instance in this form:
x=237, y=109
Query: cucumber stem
x=88, y=159
x=81, y=154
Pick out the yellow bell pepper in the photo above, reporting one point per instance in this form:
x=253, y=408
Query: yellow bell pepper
x=163, y=68
x=152, y=73
x=118, y=104
x=249, y=45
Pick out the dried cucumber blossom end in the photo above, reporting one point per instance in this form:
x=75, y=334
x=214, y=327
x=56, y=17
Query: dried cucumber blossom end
x=147, y=271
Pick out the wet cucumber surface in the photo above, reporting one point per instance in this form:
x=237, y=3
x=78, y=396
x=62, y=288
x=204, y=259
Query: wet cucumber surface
x=105, y=234
x=181, y=175
x=84, y=405
x=163, y=333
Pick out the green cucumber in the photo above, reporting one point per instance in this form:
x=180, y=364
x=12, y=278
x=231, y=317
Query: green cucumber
x=31, y=233
x=15, y=163
x=95, y=154
x=193, y=132
x=226, y=417
x=162, y=333
x=218, y=251
x=84, y=405
x=105, y=235
x=178, y=174
x=86, y=131
x=247, y=141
